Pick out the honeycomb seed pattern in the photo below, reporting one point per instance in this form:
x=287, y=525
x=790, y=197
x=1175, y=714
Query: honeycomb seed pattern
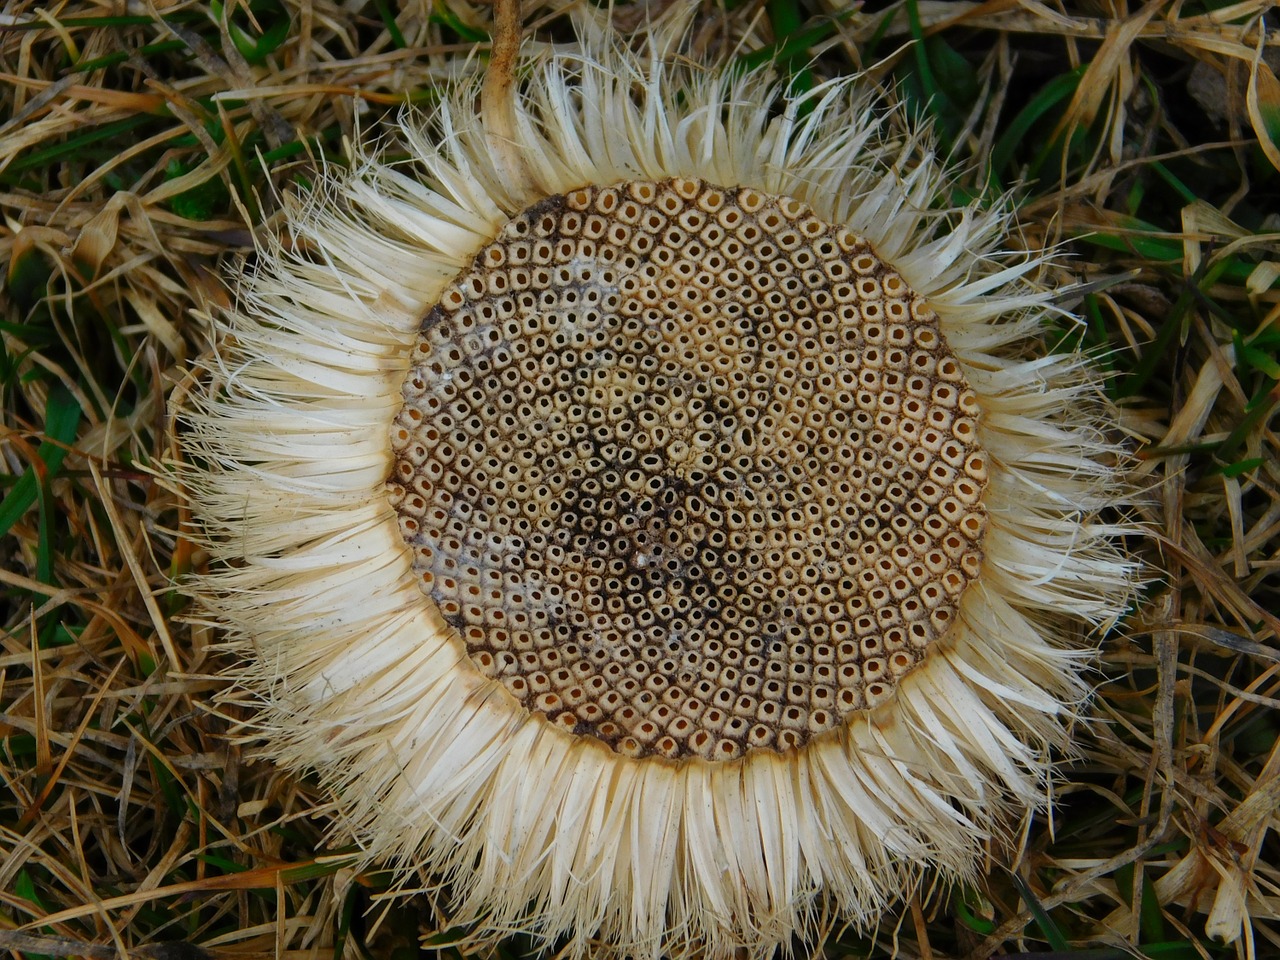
x=689, y=469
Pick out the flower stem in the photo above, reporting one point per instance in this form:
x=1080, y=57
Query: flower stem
x=498, y=95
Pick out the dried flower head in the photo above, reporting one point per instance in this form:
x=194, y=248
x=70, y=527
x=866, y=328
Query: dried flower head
x=669, y=542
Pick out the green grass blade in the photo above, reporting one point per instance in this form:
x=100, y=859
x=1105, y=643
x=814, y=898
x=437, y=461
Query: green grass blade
x=61, y=418
x=388, y=17
x=1052, y=934
x=1054, y=93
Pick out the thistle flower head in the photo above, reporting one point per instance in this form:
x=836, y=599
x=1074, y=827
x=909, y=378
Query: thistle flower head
x=670, y=543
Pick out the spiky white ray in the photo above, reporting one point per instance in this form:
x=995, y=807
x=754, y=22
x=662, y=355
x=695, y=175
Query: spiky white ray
x=353, y=674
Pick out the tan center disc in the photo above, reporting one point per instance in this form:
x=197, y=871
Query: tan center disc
x=690, y=470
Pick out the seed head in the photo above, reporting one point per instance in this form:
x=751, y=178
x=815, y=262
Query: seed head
x=689, y=470
x=669, y=545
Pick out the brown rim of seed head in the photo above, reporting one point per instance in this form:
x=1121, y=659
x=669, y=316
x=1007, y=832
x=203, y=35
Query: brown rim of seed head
x=690, y=470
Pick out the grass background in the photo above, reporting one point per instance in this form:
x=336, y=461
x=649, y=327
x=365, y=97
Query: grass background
x=143, y=143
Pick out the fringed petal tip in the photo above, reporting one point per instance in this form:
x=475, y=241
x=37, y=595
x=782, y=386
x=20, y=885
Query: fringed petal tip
x=449, y=762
